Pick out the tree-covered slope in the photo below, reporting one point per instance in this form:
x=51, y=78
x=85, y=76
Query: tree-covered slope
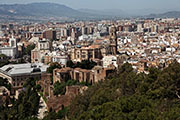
x=132, y=96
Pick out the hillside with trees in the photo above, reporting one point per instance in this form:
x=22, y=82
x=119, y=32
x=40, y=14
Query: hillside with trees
x=125, y=96
x=26, y=107
x=132, y=96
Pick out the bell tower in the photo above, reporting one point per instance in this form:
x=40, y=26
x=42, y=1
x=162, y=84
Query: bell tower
x=113, y=40
x=12, y=42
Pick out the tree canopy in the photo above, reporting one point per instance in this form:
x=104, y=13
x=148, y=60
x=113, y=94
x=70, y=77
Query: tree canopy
x=26, y=106
x=53, y=66
x=4, y=60
x=60, y=88
x=5, y=83
x=132, y=96
x=28, y=49
x=85, y=64
x=127, y=95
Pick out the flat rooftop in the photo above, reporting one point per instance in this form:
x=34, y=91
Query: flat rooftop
x=27, y=68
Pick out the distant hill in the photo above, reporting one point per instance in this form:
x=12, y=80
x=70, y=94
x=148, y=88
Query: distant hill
x=106, y=12
x=47, y=10
x=39, y=9
x=170, y=14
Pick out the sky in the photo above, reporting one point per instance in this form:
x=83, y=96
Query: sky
x=108, y=4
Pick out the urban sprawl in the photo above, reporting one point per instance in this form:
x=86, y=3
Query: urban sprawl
x=29, y=49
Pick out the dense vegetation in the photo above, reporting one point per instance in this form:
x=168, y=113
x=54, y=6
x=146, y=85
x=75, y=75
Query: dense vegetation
x=4, y=60
x=85, y=64
x=125, y=96
x=5, y=83
x=52, y=115
x=60, y=88
x=28, y=49
x=26, y=106
x=53, y=66
x=132, y=96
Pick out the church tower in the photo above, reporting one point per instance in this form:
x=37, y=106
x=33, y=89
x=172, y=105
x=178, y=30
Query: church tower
x=113, y=40
x=12, y=42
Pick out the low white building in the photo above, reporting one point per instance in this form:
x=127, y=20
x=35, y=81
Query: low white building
x=111, y=59
x=11, y=50
x=60, y=59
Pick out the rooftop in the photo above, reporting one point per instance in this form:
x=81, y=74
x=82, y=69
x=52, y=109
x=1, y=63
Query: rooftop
x=28, y=68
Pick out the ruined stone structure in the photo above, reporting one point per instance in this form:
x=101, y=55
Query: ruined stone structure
x=98, y=73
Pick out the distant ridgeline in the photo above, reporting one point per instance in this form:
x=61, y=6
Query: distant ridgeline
x=44, y=11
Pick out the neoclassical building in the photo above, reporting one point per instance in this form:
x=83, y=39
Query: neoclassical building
x=18, y=74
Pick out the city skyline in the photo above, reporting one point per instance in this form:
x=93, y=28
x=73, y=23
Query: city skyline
x=107, y=4
x=84, y=60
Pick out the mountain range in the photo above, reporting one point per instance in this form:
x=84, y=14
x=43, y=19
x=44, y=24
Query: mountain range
x=170, y=14
x=57, y=10
x=38, y=9
x=106, y=12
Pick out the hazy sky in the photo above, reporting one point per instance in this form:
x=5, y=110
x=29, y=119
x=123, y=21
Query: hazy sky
x=109, y=4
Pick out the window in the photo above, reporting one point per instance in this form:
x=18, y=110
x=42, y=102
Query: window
x=113, y=59
x=83, y=56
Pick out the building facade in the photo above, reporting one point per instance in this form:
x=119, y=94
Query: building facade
x=86, y=53
x=18, y=74
x=98, y=73
x=11, y=50
x=113, y=40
